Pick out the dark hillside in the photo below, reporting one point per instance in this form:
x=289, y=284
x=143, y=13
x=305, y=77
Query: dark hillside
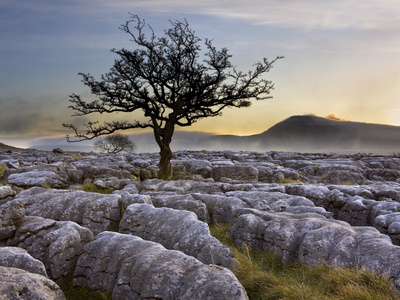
x=309, y=133
x=4, y=147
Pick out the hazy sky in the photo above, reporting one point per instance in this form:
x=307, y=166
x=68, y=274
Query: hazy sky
x=341, y=57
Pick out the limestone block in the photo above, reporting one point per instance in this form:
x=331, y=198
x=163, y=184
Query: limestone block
x=56, y=244
x=11, y=214
x=20, y=284
x=98, y=212
x=176, y=230
x=19, y=258
x=132, y=268
x=242, y=173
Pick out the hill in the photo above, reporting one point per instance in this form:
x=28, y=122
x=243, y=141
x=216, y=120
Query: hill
x=312, y=133
x=4, y=147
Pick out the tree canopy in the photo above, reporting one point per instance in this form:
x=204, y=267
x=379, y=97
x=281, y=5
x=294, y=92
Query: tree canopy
x=172, y=80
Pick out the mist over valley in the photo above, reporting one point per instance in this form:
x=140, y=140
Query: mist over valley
x=306, y=133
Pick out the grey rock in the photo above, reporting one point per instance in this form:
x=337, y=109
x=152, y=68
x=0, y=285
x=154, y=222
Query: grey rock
x=155, y=186
x=57, y=244
x=197, y=166
x=19, y=258
x=40, y=178
x=22, y=285
x=6, y=193
x=176, y=230
x=182, y=202
x=128, y=199
x=105, y=166
x=242, y=173
x=39, y=167
x=279, y=202
x=130, y=189
x=11, y=213
x=98, y=212
x=389, y=224
x=112, y=183
x=221, y=209
x=58, y=151
x=100, y=183
x=357, y=211
x=75, y=175
x=132, y=268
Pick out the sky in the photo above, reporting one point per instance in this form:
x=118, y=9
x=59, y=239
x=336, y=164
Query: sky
x=342, y=58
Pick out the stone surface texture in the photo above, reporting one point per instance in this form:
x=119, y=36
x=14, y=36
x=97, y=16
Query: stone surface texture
x=150, y=238
x=132, y=268
x=22, y=285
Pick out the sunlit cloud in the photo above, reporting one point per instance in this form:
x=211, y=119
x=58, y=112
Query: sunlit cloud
x=334, y=117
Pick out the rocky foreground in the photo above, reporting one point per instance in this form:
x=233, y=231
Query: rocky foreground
x=150, y=238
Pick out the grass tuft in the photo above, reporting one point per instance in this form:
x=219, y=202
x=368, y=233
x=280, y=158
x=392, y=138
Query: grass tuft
x=3, y=167
x=90, y=187
x=72, y=292
x=264, y=276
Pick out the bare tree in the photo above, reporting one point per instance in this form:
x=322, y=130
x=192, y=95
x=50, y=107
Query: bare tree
x=172, y=81
x=115, y=143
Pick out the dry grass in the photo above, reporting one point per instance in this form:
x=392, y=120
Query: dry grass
x=264, y=277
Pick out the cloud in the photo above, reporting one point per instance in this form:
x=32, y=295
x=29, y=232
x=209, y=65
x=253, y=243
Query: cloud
x=306, y=14
x=334, y=117
x=30, y=115
x=365, y=14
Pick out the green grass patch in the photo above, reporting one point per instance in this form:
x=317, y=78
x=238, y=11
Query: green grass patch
x=90, y=187
x=264, y=276
x=82, y=293
x=2, y=169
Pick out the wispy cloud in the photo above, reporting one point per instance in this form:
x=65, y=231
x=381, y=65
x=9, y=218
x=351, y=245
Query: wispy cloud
x=366, y=14
x=307, y=14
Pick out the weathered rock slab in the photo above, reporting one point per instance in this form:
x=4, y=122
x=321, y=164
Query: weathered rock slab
x=22, y=285
x=19, y=258
x=11, y=215
x=132, y=268
x=98, y=212
x=40, y=178
x=176, y=230
x=58, y=244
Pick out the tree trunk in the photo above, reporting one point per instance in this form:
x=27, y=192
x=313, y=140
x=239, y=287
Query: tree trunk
x=163, y=138
x=165, y=169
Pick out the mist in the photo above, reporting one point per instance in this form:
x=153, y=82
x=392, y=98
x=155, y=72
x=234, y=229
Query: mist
x=307, y=133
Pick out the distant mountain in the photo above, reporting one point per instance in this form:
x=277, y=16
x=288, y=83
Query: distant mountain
x=312, y=133
x=298, y=133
